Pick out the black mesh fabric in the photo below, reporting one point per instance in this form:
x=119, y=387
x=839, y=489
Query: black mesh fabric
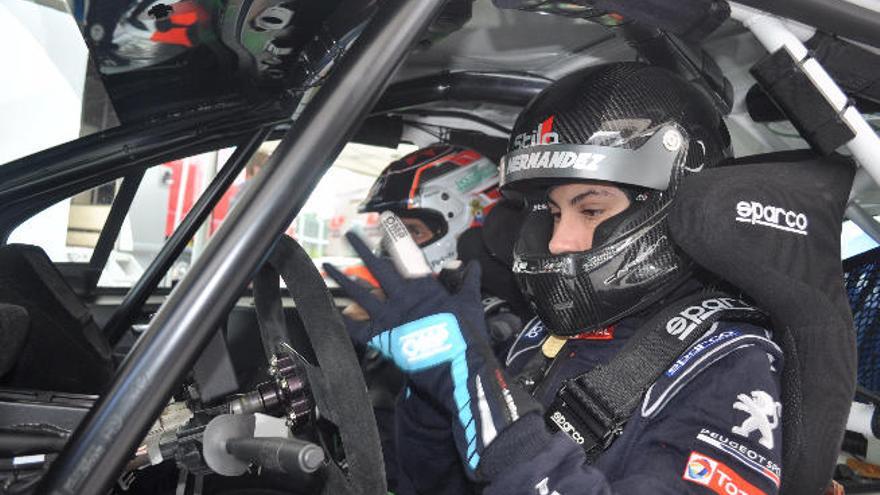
x=862, y=279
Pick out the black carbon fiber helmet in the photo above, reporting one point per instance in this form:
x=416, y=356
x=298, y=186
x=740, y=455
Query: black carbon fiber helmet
x=639, y=127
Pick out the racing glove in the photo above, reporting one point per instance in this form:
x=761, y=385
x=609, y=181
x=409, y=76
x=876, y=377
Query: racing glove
x=439, y=340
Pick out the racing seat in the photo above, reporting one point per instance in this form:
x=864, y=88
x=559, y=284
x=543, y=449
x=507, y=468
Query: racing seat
x=62, y=349
x=770, y=225
x=14, y=323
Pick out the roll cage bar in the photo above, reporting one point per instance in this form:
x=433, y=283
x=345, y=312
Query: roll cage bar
x=183, y=325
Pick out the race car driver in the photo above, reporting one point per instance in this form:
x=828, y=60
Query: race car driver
x=438, y=192
x=442, y=193
x=597, y=157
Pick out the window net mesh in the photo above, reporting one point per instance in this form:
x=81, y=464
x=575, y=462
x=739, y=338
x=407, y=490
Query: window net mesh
x=862, y=279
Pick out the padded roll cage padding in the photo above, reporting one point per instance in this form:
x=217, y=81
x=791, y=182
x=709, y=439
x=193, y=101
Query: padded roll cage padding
x=337, y=383
x=770, y=225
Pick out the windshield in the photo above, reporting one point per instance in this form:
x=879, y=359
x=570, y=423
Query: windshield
x=49, y=92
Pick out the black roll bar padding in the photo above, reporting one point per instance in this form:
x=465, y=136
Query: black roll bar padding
x=846, y=19
x=505, y=88
x=816, y=119
x=108, y=436
x=121, y=319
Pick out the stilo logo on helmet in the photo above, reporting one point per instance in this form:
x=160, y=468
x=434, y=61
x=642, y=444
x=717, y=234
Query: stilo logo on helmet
x=542, y=135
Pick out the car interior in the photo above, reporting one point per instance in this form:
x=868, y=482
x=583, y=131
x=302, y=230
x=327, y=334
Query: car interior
x=221, y=348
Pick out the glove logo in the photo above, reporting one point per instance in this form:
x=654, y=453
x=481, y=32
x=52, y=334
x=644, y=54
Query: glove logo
x=763, y=417
x=425, y=343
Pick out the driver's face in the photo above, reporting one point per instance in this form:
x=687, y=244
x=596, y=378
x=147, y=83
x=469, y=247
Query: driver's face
x=418, y=230
x=577, y=210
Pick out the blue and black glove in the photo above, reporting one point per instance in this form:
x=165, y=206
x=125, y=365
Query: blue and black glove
x=439, y=340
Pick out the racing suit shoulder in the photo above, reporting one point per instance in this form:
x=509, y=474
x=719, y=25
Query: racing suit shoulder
x=710, y=424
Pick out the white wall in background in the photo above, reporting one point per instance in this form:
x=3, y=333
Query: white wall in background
x=43, y=60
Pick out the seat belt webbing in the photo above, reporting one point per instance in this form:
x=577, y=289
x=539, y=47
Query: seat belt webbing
x=593, y=408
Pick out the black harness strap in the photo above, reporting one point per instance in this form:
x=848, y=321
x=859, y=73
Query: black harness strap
x=593, y=408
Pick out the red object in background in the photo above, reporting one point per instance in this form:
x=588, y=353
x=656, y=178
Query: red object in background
x=363, y=273
x=371, y=219
x=187, y=184
x=337, y=222
x=222, y=208
x=192, y=188
x=175, y=30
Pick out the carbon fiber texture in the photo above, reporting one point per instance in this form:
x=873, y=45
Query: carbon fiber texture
x=632, y=262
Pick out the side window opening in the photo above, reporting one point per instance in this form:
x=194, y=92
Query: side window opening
x=69, y=230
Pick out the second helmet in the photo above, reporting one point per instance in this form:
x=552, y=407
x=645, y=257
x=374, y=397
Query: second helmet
x=450, y=188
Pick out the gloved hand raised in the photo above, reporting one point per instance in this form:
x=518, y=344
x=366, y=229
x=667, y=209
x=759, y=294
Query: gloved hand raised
x=439, y=340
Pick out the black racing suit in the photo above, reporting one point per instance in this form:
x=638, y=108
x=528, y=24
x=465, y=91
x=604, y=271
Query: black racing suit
x=710, y=424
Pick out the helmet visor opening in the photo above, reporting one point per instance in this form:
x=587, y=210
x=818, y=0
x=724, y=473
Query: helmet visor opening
x=433, y=220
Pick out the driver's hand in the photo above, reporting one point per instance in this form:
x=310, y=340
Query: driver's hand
x=356, y=312
x=439, y=340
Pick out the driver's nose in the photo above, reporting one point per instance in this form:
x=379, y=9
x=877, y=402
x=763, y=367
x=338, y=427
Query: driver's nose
x=571, y=235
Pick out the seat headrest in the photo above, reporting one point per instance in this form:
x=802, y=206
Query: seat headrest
x=770, y=225
x=501, y=229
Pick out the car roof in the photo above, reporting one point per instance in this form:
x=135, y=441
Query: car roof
x=161, y=61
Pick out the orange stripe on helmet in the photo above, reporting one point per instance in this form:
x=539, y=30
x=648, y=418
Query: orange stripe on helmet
x=461, y=159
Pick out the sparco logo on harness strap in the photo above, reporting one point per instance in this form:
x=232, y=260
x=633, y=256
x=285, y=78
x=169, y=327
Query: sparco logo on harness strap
x=567, y=427
x=686, y=321
x=542, y=135
x=775, y=217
